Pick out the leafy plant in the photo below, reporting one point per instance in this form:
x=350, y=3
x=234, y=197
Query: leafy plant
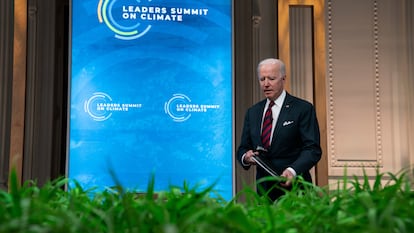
x=384, y=205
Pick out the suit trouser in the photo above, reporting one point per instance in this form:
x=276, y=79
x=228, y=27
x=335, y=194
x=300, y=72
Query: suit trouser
x=271, y=189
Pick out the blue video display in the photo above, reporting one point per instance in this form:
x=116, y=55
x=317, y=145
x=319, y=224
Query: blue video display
x=151, y=94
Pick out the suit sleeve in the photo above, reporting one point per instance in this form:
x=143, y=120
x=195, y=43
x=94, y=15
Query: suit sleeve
x=246, y=141
x=310, y=136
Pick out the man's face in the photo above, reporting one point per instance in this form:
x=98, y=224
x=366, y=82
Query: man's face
x=271, y=82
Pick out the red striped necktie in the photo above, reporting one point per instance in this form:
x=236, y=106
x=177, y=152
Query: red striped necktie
x=267, y=126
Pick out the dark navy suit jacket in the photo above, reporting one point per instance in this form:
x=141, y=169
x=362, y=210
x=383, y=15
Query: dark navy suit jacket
x=295, y=141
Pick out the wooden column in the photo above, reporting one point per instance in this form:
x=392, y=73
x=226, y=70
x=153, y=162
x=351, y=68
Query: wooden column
x=318, y=68
x=19, y=86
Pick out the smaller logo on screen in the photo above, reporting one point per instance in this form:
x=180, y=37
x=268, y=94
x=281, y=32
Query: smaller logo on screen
x=180, y=107
x=101, y=106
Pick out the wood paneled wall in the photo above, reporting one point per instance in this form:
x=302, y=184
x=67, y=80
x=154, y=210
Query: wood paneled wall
x=33, y=89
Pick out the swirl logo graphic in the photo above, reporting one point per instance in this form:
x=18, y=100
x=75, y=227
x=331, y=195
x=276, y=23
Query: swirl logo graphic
x=174, y=107
x=180, y=108
x=101, y=106
x=94, y=106
x=122, y=17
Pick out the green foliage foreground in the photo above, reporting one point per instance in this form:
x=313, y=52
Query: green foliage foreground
x=355, y=206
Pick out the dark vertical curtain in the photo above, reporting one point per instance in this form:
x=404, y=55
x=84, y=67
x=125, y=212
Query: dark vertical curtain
x=6, y=74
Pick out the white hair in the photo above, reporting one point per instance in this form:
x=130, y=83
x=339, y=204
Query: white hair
x=273, y=61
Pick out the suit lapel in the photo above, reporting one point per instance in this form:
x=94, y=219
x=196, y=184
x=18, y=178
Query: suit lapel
x=259, y=116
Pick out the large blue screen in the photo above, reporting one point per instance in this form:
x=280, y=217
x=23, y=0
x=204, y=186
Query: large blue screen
x=151, y=94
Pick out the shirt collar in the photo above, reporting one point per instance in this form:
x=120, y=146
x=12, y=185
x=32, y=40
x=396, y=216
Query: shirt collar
x=279, y=100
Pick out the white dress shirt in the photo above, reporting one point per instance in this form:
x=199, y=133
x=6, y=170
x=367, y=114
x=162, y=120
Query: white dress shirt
x=275, y=111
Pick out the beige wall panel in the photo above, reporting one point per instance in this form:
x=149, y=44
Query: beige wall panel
x=368, y=86
x=352, y=80
x=390, y=93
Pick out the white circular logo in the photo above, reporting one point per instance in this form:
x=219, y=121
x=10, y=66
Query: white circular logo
x=95, y=106
x=101, y=106
x=175, y=107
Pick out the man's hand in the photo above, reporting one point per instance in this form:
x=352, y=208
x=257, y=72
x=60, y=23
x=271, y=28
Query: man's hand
x=289, y=177
x=248, y=158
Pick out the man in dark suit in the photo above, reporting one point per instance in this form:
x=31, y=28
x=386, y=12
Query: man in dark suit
x=289, y=131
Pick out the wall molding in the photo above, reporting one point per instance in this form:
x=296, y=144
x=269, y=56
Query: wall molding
x=335, y=158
